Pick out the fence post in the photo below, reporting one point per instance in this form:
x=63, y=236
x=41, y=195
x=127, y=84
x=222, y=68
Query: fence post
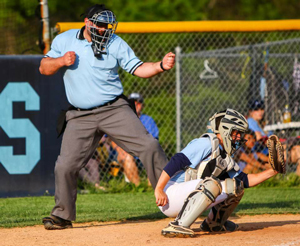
x=178, y=101
x=45, y=20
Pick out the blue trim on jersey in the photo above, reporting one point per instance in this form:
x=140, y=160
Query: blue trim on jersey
x=196, y=151
x=178, y=162
x=244, y=177
x=232, y=173
x=135, y=67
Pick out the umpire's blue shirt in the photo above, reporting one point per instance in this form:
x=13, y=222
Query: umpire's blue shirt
x=92, y=81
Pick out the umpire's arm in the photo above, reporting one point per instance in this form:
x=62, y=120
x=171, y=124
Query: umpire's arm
x=50, y=66
x=149, y=69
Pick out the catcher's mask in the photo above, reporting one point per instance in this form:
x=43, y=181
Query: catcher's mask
x=232, y=127
x=102, y=26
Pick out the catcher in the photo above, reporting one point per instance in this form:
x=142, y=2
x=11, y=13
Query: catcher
x=204, y=176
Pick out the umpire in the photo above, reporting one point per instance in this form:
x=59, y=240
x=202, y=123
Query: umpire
x=90, y=58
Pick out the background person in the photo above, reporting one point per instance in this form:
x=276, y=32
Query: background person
x=90, y=59
x=94, y=170
x=248, y=159
x=255, y=118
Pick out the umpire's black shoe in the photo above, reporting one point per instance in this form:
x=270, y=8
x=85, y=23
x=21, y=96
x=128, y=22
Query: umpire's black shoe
x=228, y=226
x=56, y=223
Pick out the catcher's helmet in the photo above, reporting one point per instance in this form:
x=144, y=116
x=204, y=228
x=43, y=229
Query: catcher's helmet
x=104, y=25
x=224, y=123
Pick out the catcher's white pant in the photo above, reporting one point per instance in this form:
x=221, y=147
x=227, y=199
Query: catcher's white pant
x=178, y=192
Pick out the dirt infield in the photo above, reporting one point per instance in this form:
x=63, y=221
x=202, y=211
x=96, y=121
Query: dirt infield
x=283, y=230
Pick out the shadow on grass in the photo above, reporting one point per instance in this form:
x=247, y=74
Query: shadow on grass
x=137, y=219
x=154, y=216
x=261, y=225
x=282, y=205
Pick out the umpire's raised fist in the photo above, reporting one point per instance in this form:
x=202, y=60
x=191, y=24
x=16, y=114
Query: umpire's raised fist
x=69, y=58
x=168, y=61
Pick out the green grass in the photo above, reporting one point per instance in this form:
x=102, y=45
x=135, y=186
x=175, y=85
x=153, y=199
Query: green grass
x=115, y=186
x=277, y=200
x=28, y=211
x=280, y=180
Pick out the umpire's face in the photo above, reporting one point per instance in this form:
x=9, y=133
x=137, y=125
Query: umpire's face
x=101, y=28
x=98, y=26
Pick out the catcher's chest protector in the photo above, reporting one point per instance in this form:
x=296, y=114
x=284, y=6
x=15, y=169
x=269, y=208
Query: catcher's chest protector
x=198, y=172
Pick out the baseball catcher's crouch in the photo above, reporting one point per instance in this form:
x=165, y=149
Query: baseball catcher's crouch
x=276, y=154
x=202, y=176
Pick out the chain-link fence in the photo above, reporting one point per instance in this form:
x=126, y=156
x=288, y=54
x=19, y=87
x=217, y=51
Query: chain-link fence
x=20, y=27
x=215, y=71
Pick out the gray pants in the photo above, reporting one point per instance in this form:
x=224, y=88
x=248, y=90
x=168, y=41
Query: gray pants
x=91, y=175
x=81, y=137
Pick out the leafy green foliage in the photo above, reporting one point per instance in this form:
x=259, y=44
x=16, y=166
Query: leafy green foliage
x=16, y=16
x=182, y=10
x=19, y=26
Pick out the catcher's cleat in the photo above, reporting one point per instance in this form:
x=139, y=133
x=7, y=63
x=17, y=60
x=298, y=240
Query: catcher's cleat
x=56, y=223
x=174, y=230
x=228, y=226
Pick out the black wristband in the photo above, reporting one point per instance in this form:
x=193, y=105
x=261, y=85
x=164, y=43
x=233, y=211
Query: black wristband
x=161, y=65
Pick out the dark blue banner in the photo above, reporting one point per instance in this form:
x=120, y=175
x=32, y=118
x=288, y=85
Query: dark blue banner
x=29, y=106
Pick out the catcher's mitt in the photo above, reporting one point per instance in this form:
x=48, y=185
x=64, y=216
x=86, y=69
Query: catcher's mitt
x=276, y=154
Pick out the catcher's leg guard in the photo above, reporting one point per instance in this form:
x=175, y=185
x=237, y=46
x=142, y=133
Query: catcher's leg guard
x=196, y=202
x=217, y=218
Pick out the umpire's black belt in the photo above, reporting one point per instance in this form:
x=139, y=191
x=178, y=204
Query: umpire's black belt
x=61, y=121
x=105, y=104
